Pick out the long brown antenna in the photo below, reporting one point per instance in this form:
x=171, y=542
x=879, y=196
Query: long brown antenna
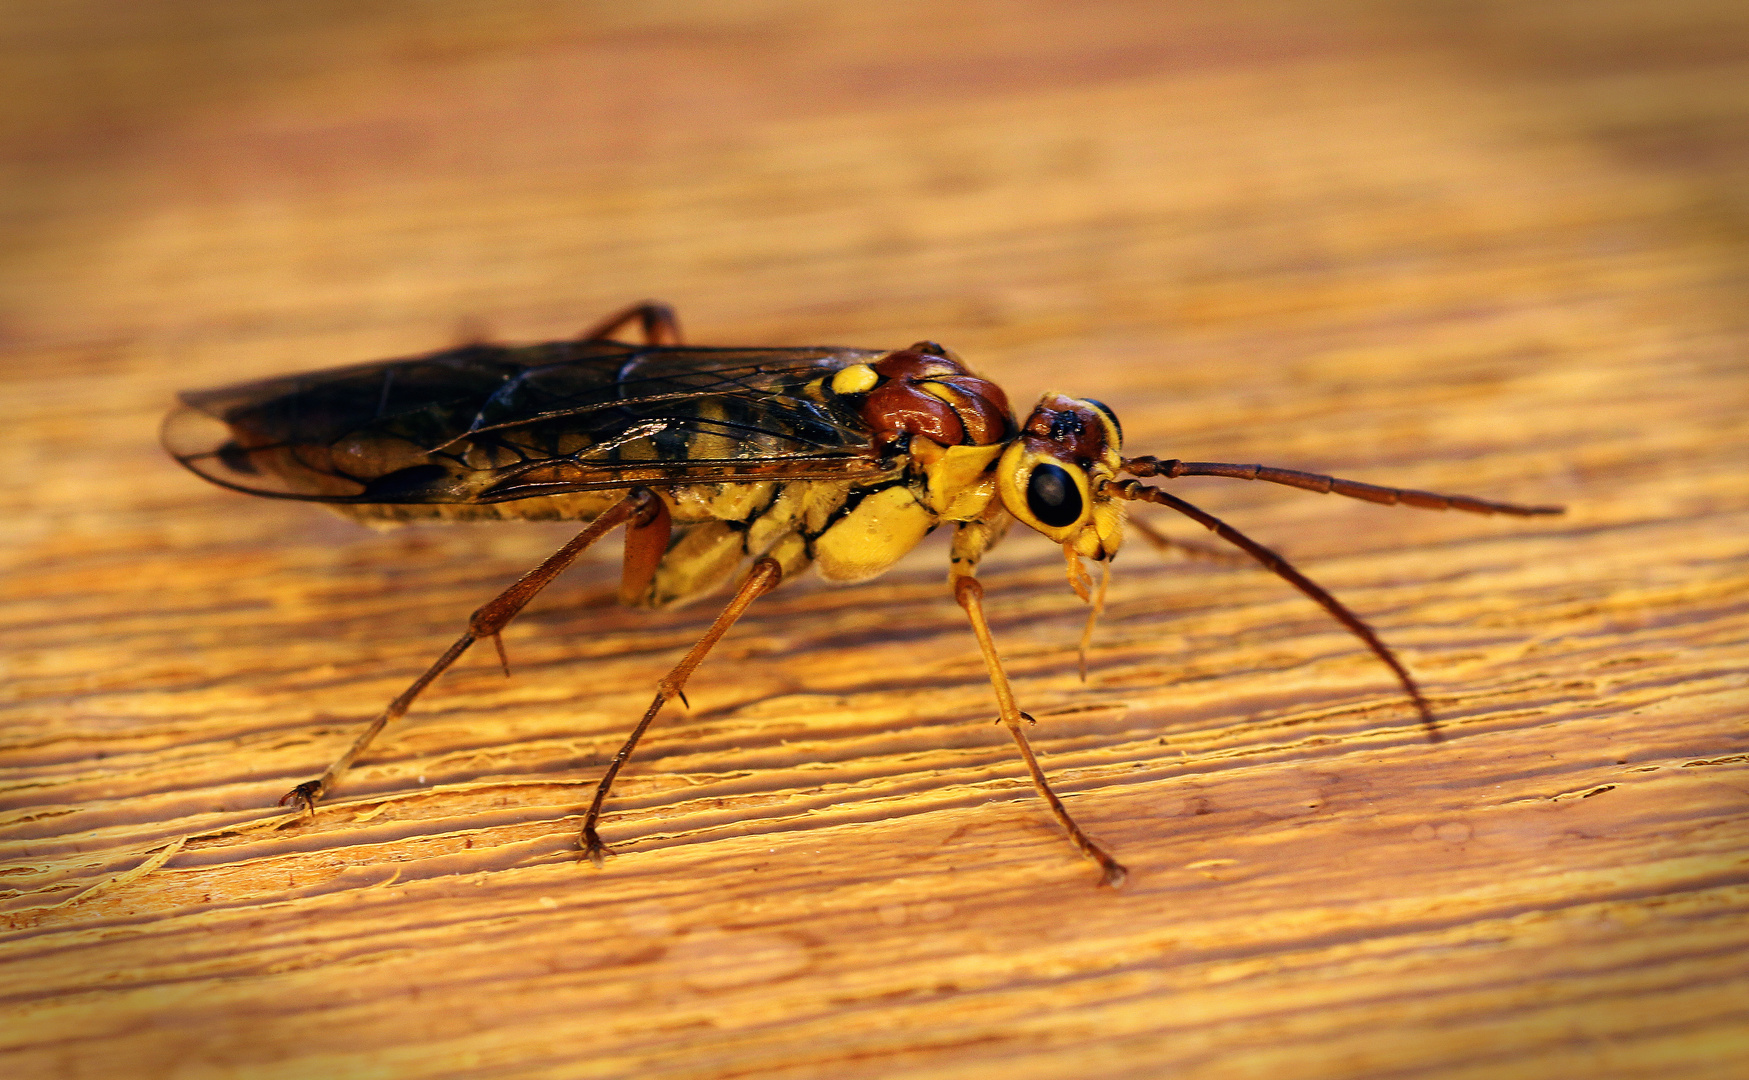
x=1354, y=489
x=1139, y=492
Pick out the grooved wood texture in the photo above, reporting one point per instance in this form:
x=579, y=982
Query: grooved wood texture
x=1491, y=248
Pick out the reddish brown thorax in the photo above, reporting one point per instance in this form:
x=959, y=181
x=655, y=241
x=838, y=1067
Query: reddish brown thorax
x=937, y=398
x=1066, y=429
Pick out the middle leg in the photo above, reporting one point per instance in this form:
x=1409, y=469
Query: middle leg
x=763, y=578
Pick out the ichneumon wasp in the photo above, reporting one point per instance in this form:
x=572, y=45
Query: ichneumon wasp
x=743, y=464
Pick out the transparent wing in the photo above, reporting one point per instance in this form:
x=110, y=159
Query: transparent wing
x=490, y=423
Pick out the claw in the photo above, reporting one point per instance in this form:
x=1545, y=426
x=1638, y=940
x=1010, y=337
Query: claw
x=594, y=850
x=1115, y=875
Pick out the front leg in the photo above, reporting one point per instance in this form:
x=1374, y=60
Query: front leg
x=970, y=542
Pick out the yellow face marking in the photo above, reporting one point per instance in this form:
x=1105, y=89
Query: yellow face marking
x=1108, y=515
x=1086, y=543
x=1014, y=473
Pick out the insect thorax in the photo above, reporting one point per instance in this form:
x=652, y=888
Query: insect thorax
x=935, y=433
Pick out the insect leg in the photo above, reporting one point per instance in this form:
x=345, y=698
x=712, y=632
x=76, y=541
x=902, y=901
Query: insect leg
x=763, y=578
x=970, y=594
x=1130, y=489
x=658, y=322
x=646, y=542
x=488, y=621
x=1354, y=489
x=1094, y=611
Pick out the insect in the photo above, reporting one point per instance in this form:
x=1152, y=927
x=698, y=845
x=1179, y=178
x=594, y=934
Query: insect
x=722, y=464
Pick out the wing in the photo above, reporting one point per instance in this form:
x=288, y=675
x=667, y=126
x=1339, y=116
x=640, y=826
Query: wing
x=490, y=423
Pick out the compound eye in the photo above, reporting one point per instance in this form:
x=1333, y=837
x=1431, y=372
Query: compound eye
x=1052, y=496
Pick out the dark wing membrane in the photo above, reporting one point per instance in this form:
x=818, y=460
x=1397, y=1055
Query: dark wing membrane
x=489, y=423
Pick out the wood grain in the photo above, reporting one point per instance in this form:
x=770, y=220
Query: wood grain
x=1496, y=249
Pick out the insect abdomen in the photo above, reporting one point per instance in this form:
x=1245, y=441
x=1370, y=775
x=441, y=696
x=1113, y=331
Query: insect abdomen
x=571, y=506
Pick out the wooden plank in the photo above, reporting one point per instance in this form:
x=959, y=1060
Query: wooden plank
x=1502, y=256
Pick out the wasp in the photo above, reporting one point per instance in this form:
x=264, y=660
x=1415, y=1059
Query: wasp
x=743, y=465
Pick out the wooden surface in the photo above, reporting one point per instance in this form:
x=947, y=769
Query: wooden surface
x=1492, y=248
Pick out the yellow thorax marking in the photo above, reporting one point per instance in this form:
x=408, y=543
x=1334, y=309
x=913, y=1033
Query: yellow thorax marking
x=958, y=480
x=855, y=379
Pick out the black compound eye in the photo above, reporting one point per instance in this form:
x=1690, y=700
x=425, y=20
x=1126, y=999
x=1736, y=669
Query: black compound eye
x=1052, y=496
